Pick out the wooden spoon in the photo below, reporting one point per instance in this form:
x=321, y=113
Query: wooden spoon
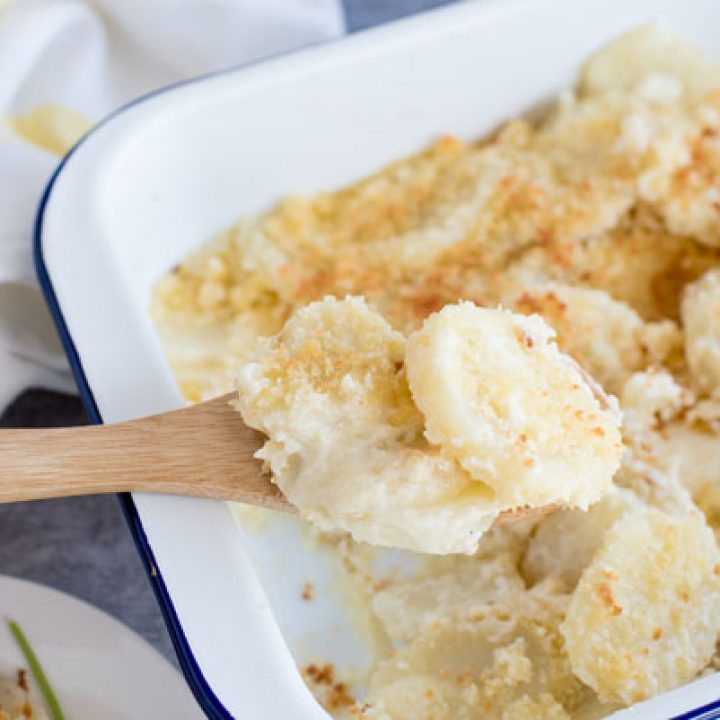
x=204, y=450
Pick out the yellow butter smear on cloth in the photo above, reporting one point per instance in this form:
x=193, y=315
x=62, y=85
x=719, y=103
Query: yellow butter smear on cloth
x=54, y=128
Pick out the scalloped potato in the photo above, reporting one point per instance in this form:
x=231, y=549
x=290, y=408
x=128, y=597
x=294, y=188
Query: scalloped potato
x=602, y=218
x=423, y=443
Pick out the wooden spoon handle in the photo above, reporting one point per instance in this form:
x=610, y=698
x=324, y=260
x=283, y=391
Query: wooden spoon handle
x=202, y=451
x=205, y=451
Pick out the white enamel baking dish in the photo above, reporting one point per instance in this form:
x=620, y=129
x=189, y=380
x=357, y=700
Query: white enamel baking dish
x=161, y=176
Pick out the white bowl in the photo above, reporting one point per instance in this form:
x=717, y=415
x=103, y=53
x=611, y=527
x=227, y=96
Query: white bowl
x=162, y=175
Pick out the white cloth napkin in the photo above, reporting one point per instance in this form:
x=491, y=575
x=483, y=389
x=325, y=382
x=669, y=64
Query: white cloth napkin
x=92, y=56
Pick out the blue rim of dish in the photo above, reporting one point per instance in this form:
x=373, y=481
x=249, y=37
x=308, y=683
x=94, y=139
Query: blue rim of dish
x=711, y=711
x=205, y=696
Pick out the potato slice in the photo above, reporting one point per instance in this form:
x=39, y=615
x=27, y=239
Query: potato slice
x=408, y=607
x=504, y=662
x=628, y=59
x=564, y=543
x=645, y=615
x=518, y=415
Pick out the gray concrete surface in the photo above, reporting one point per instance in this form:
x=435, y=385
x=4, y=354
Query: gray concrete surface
x=82, y=545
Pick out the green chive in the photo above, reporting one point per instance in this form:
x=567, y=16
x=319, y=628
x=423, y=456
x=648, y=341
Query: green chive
x=37, y=671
